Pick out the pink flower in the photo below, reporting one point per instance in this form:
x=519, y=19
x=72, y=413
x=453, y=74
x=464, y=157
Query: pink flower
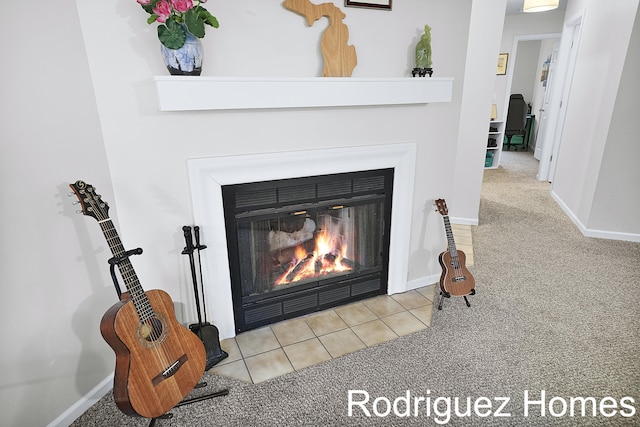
x=144, y=2
x=163, y=10
x=182, y=5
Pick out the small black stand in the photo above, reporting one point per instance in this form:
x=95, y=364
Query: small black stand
x=117, y=260
x=445, y=294
x=169, y=415
x=422, y=72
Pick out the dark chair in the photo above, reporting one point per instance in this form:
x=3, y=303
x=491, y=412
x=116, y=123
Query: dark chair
x=516, y=119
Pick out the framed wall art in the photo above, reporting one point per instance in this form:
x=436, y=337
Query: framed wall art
x=502, y=63
x=373, y=4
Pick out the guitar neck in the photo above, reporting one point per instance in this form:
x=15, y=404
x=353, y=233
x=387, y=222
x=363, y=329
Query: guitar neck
x=140, y=300
x=450, y=240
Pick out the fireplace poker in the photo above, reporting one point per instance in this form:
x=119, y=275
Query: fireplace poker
x=199, y=247
x=188, y=250
x=208, y=334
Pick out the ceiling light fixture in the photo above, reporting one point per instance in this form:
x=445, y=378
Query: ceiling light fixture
x=531, y=6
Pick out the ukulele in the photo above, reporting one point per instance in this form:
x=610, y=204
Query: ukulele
x=455, y=279
x=158, y=361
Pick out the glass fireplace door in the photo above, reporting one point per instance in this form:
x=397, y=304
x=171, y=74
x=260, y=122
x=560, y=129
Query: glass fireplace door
x=304, y=246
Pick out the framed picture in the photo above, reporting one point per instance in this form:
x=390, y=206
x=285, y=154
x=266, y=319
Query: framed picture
x=502, y=63
x=545, y=71
x=373, y=4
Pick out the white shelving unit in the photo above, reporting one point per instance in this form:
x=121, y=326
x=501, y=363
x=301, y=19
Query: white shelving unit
x=496, y=131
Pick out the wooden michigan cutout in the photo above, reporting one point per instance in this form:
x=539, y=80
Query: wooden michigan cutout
x=339, y=57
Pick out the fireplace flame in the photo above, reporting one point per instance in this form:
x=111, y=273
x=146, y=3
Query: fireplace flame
x=327, y=257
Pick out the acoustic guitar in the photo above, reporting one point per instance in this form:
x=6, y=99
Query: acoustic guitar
x=455, y=280
x=158, y=361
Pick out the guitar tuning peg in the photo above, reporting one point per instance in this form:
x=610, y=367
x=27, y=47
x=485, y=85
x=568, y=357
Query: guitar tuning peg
x=78, y=212
x=71, y=194
x=76, y=202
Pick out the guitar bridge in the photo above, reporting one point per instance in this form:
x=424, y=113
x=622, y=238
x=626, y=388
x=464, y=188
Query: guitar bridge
x=170, y=371
x=459, y=279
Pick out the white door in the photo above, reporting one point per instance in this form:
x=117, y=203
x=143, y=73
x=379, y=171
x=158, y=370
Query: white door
x=551, y=135
x=545, y=102
x=564, y=101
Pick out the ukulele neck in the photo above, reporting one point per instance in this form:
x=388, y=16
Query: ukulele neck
x=451, y=244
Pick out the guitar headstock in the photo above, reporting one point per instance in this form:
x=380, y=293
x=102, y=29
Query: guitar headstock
x=91, y=202
x=441, y=205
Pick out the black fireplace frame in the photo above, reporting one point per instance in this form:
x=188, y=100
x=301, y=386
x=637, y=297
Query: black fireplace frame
x=268, y=198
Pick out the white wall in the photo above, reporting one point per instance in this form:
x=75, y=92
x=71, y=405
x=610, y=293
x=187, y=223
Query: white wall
x=620, y=174
x=55, y=280
x=147, y=149
x=482, y=51
x=595, y=171
x=525, y=68
x=616, y=198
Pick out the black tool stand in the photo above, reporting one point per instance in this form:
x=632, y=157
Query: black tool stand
x=117, y=260
x=445, y=294
x=169, y=415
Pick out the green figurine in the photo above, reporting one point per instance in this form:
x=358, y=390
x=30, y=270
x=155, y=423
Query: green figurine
x=423, y=54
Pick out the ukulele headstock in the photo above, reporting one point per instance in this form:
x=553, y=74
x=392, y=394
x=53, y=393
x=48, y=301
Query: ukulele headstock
x=91, y=202
x=441, y=206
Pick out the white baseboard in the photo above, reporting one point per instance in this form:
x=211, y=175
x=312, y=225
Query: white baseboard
x=590, y=232
x=613, y=235
x=463, y=221
x=80, y=407
x=423, y=281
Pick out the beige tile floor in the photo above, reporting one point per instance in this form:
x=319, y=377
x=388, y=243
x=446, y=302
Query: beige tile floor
x=291, y=345
x=462, y=234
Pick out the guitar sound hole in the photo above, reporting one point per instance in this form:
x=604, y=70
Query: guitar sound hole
x=153, y=331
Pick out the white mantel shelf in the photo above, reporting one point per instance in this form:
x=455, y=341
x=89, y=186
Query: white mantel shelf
x=188, y=93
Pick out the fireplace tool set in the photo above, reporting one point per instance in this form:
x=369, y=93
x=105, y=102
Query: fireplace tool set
x=207, y=332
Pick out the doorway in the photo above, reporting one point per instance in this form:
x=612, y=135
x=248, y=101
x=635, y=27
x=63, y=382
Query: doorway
x=530, y=77
x=552, y=103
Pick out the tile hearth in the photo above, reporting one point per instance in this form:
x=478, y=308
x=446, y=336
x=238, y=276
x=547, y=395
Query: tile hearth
x=295, y=344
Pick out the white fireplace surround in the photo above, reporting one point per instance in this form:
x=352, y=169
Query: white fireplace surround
x=208, y=175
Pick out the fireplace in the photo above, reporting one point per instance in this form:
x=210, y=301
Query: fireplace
x=209, y=175
x=305, y=244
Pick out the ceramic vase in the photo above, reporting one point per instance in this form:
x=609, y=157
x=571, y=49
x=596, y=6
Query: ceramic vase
x=185, y=61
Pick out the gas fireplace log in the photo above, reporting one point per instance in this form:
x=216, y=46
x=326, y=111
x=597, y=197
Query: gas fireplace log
x=279, y=270
x=351, y=264
x=331, y=258
x=282, y=239
x=293, y=273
